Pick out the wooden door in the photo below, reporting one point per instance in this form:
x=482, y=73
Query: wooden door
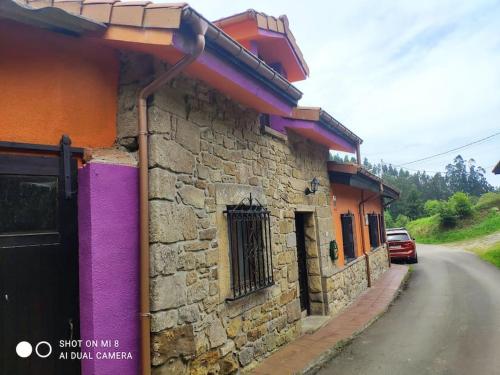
x=348, y=237
x=38, y=263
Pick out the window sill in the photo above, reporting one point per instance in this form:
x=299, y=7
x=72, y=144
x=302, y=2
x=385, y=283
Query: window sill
x=252, y=293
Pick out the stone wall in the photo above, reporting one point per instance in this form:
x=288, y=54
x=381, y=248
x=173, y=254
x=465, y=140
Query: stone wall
x=346, y=284
x=207, y=152
x=379, y=262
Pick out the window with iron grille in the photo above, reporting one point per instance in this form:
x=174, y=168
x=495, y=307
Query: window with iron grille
x=373, y=229
x=249, y=233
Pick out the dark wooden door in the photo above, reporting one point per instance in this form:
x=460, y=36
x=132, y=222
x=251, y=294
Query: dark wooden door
x=348, y=236
x=374, y=230
x=38, y=263
x=302, y=262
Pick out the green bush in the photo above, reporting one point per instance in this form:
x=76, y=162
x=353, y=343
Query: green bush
x=461, y=204
x=389, y=221
x=488, y=200
x=401, y=221
x=431, y=207
x=447, y=215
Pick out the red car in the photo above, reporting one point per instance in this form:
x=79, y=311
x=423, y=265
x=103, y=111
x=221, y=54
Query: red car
x=401, y=245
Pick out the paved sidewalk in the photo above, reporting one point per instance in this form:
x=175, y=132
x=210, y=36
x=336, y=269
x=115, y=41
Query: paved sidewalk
x=311, y=350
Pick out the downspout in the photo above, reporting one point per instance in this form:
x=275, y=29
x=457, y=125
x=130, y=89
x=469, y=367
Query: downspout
x=361, y=219
x=358, y=154
x=145, y=314
x=382, y=217
x=384, y=206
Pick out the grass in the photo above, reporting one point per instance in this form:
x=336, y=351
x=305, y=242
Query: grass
x=491, y=254
x=427, y=229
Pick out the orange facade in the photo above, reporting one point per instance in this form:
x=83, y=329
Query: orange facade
x=346, y=199
x=54, y=84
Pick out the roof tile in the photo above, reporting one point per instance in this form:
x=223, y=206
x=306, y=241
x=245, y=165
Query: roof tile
x=128, y=13
x=141, y=3
x=40, y=3
x=281, y=26
x=162, y=17
x=100, y=12
x=266, y=22
x=261, y=21
x=71, y=6
x=271, y=23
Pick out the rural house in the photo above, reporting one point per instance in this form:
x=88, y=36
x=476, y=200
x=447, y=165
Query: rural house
x=161, y=189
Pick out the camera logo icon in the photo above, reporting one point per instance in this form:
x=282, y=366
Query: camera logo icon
x=24, y=349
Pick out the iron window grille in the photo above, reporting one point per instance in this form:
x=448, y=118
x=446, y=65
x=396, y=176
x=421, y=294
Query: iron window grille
x=249, y=232
x=373, y=229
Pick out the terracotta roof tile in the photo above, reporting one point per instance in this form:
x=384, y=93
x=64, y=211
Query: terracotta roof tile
x=127, y=13
x=266, y=22
x=40, y=3
x=162, y=15
x=130, y=13
x=70, y=6
x=272, y=24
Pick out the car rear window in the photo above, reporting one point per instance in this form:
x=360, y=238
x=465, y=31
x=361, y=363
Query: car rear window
x=397, y=237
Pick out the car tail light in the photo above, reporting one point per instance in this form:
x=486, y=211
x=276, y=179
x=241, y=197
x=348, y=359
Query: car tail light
x=408, y=245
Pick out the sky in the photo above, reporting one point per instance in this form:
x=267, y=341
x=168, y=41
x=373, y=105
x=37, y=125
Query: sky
x=411, y=78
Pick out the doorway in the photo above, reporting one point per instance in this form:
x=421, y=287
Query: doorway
x=300, y=231
x=38, y=262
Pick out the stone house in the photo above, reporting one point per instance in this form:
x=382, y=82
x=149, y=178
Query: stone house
x=244, y=235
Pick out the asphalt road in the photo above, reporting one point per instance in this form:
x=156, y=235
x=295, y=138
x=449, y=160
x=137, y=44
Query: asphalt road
x=446, y=322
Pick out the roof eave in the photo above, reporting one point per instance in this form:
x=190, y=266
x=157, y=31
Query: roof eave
x=329, y=120
x=219, y=40
x=51, y=18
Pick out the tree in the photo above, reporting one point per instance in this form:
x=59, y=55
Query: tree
x=447, y=215
x=461, y=204
x=402, y=221
x=456, y=174
x=389, y=221
x=419, y=187
x=431, y=207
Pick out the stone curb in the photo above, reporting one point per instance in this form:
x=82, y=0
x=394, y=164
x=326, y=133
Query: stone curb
x=314, y=366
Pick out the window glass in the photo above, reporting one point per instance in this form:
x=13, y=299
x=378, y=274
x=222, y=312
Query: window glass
x=398, y=237
x=28, y=204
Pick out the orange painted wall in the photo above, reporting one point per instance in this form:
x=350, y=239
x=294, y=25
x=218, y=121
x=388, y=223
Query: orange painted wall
x=348, y=199
x=53, y=84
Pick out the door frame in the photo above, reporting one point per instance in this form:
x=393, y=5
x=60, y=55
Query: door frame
x=313, y=255
x=49, y=160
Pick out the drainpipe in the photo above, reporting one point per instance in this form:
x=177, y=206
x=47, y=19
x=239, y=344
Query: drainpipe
x=385, y=236
x=145, y=314
x=358, y=154
x=361, y=219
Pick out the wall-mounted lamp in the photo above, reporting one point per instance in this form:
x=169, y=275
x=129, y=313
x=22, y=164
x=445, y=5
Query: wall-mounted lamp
x=314, y=186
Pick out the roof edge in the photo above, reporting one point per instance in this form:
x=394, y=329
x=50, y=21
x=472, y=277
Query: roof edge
x=50, y=18
x=220, y=39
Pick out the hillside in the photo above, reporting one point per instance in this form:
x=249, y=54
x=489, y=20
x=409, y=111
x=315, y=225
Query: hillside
x=483, y=220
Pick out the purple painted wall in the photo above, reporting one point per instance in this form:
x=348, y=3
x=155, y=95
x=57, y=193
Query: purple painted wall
x=108, y=221
x=252, y=88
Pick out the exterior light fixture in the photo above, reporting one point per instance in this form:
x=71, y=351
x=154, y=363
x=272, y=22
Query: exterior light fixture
x=314, y=186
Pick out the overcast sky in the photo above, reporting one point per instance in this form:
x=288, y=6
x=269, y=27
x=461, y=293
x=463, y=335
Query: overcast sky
x=412, y=78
